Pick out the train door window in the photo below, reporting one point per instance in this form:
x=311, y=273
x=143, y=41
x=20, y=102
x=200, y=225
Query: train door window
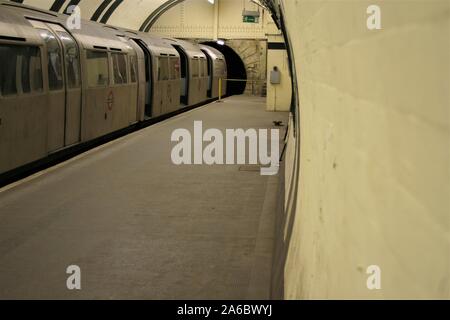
x=54, y=57
x=184, y=73
x=24, y=64
x=20, y=70
x=72, y=60
x=204, y=67
x=120, y=68
x=184, y=67
x=195, y=68
x=208, y=72
x=220, y=67
x=209, y=65
x=35, y=66
x=175, y=68
x=97, y=67
x=7, y=70
x=163, y=68
x=133, y=68
x=148, y=76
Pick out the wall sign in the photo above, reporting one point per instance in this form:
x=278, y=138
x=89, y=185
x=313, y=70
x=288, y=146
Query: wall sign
x=250, y=19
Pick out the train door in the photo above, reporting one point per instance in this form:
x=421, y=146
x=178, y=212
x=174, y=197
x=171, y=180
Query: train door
x=210, y=73
x=64, y=78
x=72, y=76
x=148, y=78
x=184, y=71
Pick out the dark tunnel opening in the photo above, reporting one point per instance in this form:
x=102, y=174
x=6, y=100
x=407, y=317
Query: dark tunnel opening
x=235, y=68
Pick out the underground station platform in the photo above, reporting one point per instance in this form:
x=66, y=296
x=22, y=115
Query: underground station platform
x=140, y=227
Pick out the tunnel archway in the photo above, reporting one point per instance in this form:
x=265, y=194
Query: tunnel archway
x=235, y=68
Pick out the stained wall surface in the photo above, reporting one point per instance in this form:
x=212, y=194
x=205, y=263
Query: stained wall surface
x=373, y=159
x=197, y=19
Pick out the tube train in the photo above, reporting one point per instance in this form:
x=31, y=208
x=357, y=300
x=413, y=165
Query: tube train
x=60, y=87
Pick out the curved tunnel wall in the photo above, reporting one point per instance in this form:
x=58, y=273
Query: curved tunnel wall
x=367, y=169
x=122, y=13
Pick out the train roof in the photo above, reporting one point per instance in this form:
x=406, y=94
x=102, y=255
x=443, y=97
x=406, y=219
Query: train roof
x=15, y=23
x=92, y=35
x=157, y=45
x=15, y=28
x=213, y=52
x=192, y=49
x=95, y=36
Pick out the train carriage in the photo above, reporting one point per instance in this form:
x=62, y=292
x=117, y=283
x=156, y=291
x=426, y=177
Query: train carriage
x=61, y=87
x=109, y=82
x=217, y=69
x=24, y=102
x=166, y=75
x=194, y=71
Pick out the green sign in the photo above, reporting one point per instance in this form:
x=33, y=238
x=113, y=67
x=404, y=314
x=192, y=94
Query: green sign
x=250, y=19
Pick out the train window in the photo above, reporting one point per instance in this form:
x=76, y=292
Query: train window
x=97, y=66
x=220, y=68
x=163, y=68
x=72, y=60
x=20, y=70
x=195, y=68
x=120, y=68
x=203, y=68
x=25, y=76
x=175, y=68
x=133, y=68
x=37, y=83
x=54, y=56
x=206, y=66
x=7, y=70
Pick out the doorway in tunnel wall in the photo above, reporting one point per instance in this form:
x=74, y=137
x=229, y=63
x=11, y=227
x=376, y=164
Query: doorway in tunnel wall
x=235, y=68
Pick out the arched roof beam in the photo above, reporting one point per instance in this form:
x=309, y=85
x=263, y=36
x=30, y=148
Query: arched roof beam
x=105, y=10
x=150, y=21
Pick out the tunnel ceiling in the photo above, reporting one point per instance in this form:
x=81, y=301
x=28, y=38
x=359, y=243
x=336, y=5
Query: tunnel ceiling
x=133, y=14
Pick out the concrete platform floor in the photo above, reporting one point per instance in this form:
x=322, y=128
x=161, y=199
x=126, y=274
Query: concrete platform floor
x=140, y=227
